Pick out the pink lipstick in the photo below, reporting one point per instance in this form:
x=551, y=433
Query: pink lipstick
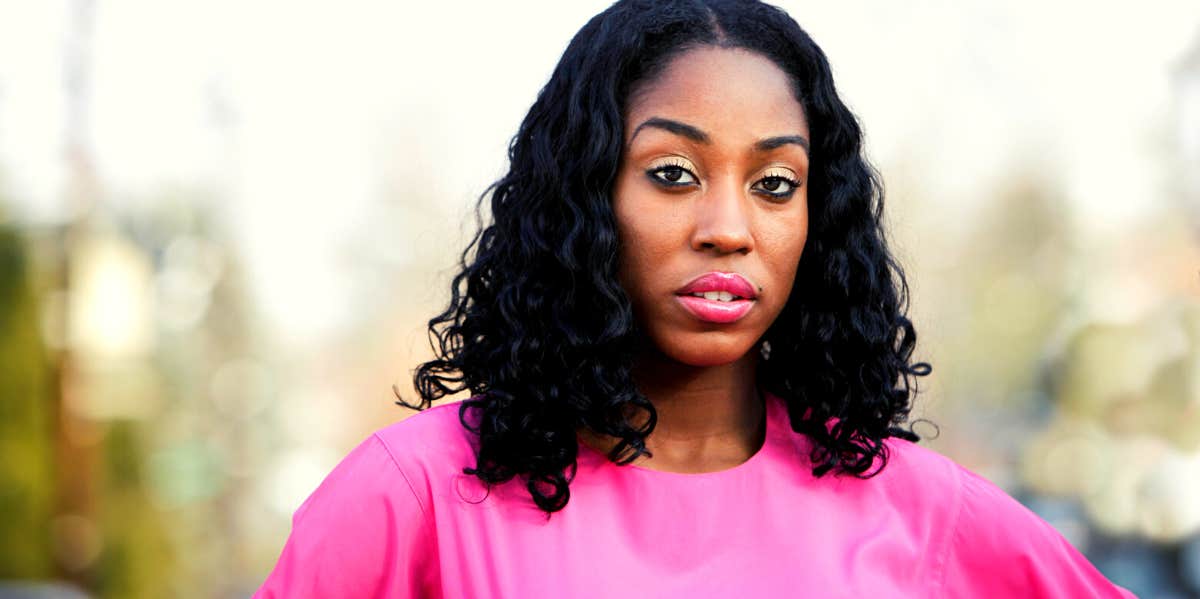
x=720, y=297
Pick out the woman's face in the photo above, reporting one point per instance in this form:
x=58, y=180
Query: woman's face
x=713, y=181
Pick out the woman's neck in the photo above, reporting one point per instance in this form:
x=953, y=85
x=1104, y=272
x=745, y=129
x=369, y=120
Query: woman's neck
x=709, y=418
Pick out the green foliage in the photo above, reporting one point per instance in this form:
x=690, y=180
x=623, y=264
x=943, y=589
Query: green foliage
x=27, y=478
x=137, y=560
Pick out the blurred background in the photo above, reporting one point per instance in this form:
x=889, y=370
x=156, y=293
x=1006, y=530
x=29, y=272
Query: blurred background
x=223, y=226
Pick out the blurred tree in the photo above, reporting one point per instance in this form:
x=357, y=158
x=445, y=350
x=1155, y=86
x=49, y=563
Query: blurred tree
x=1016, y=287
x=138, y=560
x=27, y=479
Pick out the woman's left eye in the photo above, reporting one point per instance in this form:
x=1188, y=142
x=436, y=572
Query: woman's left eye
x=779, y=187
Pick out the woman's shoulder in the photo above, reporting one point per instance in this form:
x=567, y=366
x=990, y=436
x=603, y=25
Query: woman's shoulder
x=959, y=488
x=372, y=512
x=962, y=497
x=436, y=430
x=993, y=544
x=429, y=447
x=920, y=473
x=911, y=458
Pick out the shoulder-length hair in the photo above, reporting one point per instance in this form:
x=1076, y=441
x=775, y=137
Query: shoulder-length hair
x=543, y=336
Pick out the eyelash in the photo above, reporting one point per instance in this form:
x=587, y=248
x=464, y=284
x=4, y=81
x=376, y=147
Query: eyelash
x=653, y=174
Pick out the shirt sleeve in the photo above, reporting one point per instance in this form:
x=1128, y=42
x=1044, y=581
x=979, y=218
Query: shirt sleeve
x=362, y=533
x=1000, y=548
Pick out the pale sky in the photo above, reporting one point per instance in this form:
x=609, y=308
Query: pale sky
x=303, y=117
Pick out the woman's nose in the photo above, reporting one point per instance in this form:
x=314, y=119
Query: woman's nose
x=722, y=222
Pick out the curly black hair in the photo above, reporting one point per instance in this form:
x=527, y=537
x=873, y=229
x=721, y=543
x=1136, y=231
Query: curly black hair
x=543, y=335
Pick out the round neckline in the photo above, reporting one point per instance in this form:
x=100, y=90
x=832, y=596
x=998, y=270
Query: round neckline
x=771, y=408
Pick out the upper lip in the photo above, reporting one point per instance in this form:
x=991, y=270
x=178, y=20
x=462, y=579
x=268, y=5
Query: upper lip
x=720, y=281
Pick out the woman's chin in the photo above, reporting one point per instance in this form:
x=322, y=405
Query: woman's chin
x=706, y=355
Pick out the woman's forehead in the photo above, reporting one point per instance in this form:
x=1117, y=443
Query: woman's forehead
x=729, y=93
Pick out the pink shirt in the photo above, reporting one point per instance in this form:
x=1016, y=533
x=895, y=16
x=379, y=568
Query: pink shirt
x=397, y=518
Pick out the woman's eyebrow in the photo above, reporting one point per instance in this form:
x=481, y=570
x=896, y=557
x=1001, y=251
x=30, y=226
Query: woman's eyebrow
x=675, y=127
x=771, y=143
x=695, y=134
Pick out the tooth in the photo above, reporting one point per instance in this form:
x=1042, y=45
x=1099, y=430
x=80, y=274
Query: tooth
x=712, y=295
x=698, y=294
x=726, y=296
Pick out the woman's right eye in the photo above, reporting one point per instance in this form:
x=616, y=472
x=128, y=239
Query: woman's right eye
x=672, y=175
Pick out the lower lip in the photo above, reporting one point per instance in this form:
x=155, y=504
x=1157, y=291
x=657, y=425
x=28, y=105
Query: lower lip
x=715, y=311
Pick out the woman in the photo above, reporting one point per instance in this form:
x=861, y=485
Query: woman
x=687, y=346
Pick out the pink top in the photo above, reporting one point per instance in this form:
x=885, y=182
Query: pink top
x=397, y=518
